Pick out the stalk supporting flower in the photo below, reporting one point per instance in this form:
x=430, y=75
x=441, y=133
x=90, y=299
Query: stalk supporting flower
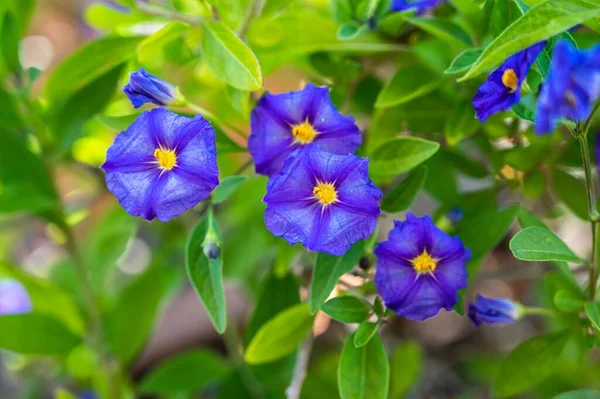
x=486, y=310
x=282, y=123
x=144, y=87
x=14, y=299
x=420, y=268
x=419, y=5
x=162, y=165
x=323, y=200
x=572, y=86
x=502, y=89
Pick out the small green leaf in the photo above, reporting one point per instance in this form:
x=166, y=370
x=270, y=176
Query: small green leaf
x=461, y=124
x=571, y=192
x=393, y=24
x=406, y=363
x=227, y=187
x=532, y=28
x=9, y=42
x=463, y=61
x=529, y=364
x=447, y=31
x=401, y=155
x=206, y=275
x=229, y=57
x=364, y=373
x=592, y=309
x=534, y=184
x=346, y=309
x=408, y=83
x=155, y=42
x=280, y=336
x=567, y=302
x=348, y=31
x=540, y=244
x=328, y=270
x=581, y=394
x=187, y=372
x=36, y=334
x=364, y=333
x=403, y=194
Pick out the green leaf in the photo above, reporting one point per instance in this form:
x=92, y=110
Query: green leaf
x=280, y=336
x=581, y=394
x=444, y=30
x=529, y=364
x=571, y=192
x=229, y=57
x=364, y=333
x=463, y=61
x=393, y=23
x=534, y=183
x=131, y=318
x=532, y=28
x=346, y=309
x=401, y=155
x=206, y=275
x=9, y=113
x=36, y=334
x=364, y=373
x=592, y=309
x=187, y=372
x=328, y=270
x=227, y=187
x=349, y=31
x=147, y=49
x=461, y=124
x=567, y=302
x=535, y=244
x=403, y=194
x=87, y=64
x=406, y=364
x=9, y=42
x=409, y=82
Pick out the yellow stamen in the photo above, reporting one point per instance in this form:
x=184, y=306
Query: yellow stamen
x=325, y=193
x=166, y=158
x=424, y=263
x=304, y=132
x=510, y=80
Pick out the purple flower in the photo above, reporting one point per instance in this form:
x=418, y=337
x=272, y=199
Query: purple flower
x=420, y=268
x=13, y=298
x=162, y=165
x=493, y=311
x=282, y=123
x=572, y=86
x=147, y=88
x=502, y=89
x=323, y=200
x=420, y=5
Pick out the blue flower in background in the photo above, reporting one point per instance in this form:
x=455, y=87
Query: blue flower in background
x=420, y=5
x=572, y=86
x=282, y=123
x=502, y=89
x=420, y=268
x=147, y=88
x=493, y=311
x=162, y=165
x=323, y=200
x=13, y=298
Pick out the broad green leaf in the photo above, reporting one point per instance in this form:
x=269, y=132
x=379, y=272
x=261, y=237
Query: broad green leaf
x=280, y=336
x=530, y=363
x=364, y=333
x=346, y=309
x=153, y=43
x=567, y=302
x=206, y=275
x=534, y=184
x=571, y=191
x=540, y=244
x=532, y=28
x=9, y=42
x=592, y=309
x=328, y=270
x=461, y=124
x=444, y=30
x=227, y=187
x=581, y=394
x=406, y=363
x=528, y=219
x=364, y=373
x=403, y=194
x=463, y=61
x=393, y=24
x=36, y=334
x=9, y=113
x=409, y=82
x=401, y=155
x=130, y=320
x=87, y=64
x=229, y=58
x=186, y=372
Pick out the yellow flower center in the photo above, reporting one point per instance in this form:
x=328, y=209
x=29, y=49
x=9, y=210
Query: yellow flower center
x=325, y=193
x=166, y=158
x=304, y=132
x=424, y=263
x=510, y=80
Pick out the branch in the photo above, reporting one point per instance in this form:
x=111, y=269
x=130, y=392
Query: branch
x=295, y=387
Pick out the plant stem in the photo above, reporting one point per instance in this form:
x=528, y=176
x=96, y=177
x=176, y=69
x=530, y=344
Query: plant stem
x=539, y=311
x=254, y=10
x=295, y=387
x=589, y=184
x=215, y=119
x=168, y=14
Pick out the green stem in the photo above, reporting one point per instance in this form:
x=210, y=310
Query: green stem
x=538, y=311
x=589, y=184
x=214, y=118
x=254, y=10
x=588, y=122
x=167, y=14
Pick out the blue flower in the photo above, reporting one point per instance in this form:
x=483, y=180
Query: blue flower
x=420, y=268
x=162, y=165
x=147, y=88
x=13, y=298
x=420, y=5
x=282, y=123
x=502, y=89
x=323, y=200
x=493, y=311
x=572, y=86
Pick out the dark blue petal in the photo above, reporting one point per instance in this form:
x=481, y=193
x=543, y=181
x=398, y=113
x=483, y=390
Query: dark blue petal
x=144, y=87
x=492, y=311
